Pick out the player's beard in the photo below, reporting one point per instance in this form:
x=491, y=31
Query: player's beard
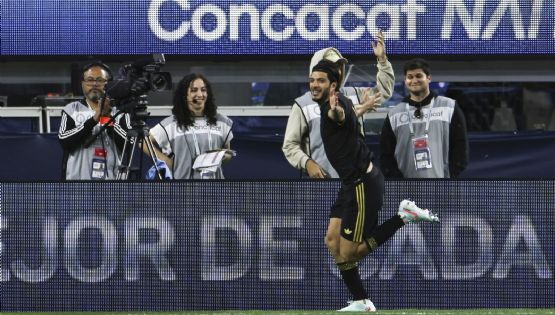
x=324, y=96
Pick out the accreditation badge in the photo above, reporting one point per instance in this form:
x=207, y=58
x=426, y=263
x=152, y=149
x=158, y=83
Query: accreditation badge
x=422, y=153
x=99, y=164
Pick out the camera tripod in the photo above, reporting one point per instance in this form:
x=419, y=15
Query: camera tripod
x=137, y=137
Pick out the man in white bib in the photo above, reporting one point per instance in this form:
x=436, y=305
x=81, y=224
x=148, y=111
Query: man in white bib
x=424, y=136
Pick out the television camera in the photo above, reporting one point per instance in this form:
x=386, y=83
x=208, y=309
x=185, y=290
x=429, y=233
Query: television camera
x=128, y=94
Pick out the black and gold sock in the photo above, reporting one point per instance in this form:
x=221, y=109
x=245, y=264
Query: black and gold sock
x=383, y=232
x=351, y=278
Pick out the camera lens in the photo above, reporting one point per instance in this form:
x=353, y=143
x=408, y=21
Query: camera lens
x=161, y=81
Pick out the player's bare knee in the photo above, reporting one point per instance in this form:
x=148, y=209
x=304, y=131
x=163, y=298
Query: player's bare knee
x=331, y=241
x=348, y=253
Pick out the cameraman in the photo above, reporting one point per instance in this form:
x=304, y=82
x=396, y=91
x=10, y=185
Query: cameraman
x=194, y=128
x=88, y=154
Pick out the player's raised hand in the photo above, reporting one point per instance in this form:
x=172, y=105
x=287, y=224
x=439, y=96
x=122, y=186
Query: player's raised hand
x=334, y=100
x=336, y=112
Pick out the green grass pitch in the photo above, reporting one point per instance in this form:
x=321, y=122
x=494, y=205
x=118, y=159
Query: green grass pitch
x=504, y=311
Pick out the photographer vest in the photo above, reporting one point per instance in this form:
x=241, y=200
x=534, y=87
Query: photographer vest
x=439, y=113
x=80, y=161
x=311, y=114
x=187, y=144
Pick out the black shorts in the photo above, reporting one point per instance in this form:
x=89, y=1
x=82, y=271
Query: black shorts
x=358, y=206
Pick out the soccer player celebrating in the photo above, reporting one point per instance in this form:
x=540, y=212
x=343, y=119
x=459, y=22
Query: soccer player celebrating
x=353, y=232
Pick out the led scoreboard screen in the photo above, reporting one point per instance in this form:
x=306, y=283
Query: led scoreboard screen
x=257, y=245
x=56, y=27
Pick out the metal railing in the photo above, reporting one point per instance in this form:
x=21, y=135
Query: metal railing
x=35, y=112
x=44, y=115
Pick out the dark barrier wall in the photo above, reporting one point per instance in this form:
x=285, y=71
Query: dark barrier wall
x=259, y=245
x=492, y=155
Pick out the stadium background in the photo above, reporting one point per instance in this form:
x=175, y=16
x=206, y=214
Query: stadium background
x=252, y=244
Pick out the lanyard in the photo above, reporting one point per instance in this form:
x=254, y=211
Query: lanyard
x=427, y=120
x=197, y=148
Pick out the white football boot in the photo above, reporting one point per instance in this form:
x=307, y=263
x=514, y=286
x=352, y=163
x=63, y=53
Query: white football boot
x=410, y=212
x=359, y=306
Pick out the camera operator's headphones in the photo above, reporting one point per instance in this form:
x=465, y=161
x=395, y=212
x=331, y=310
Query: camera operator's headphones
x=97, y=63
